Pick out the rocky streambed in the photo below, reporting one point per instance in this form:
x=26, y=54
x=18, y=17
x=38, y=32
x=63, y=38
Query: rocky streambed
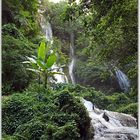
x=110, y=125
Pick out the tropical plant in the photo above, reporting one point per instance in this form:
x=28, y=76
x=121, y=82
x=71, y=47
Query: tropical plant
x=43, y=63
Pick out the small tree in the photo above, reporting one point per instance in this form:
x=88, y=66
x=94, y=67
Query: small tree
x=42, y=64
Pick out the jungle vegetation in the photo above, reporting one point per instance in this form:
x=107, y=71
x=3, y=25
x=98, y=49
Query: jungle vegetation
x=105, y=35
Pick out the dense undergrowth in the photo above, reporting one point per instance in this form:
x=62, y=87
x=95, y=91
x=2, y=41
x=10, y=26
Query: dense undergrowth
x=20, y=37
x=56, y=113
x=121, y=102
x=44, y=114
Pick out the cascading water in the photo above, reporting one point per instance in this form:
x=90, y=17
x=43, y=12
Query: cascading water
x=72, y=63
x=122, y=80
x=59, y=78
x=47, y=30
x=110, y=125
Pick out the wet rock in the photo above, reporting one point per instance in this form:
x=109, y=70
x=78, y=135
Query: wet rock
x=114, y=126
x=125, y=119
x=106, y=117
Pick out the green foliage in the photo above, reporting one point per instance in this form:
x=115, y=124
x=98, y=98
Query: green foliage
x=14, y=75
x=8, y=137
x=107, y=35
x=42, y=51
x=51, y=60
x=130, y=109
x=11, y=29
x=68, y=132
x=32, y=130
x=40, y=113
x=23, y=14
x=13, y=111
x=43, y=63
x=44, y=114
x=113, y=102
x=55, y=13
x=96, y=75
x=19, y=28
x=70, y=127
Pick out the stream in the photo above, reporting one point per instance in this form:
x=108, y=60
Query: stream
x=110, y=125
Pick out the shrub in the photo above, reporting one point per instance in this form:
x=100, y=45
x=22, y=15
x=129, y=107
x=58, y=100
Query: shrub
x=43, y=114
x=14, y=75
x=32, y=130
x=132, y=109
x=46, y=114
x=67, y=132
x=15, y=112
x=68, y=104
x=8, y=137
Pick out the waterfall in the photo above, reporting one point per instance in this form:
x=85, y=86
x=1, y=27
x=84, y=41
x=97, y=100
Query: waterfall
x=72, y=63
x=47, y=31
x=123, y=80
x=110, y=125
x=58, y=77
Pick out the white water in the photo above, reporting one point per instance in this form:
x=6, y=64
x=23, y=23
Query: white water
x=72, y=57
x=49, y=32
x=122, y=80
x=119, y=127
x=59, y=78
x=71, y=65
x=46, y=28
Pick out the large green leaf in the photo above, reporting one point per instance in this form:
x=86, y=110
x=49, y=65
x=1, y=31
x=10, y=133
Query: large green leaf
x=42, y=51
x=51, y=60
x=41, y=64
